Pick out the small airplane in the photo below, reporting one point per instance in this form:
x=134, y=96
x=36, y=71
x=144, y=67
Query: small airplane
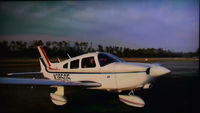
x=97, y=70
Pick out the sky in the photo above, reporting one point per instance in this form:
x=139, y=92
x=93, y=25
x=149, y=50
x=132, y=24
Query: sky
x=167, y=24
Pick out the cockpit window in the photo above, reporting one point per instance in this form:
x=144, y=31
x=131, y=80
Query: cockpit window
x=74, y=64
x=105, y=59
x=65, y=66
x=88, y=62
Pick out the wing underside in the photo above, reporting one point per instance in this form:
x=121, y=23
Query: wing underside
x=24, y=73
x=29, y=81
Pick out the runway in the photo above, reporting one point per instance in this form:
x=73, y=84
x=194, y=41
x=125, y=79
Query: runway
x=177, y=92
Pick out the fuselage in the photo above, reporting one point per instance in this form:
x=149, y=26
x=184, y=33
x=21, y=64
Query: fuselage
x=108, y=70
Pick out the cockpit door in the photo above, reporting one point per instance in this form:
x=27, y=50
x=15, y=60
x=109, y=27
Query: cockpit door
x=108, y=78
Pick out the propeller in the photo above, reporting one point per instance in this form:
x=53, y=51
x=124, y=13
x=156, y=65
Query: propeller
x=156, y=70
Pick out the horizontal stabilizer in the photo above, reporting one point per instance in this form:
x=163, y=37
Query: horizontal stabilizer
x=28, y=81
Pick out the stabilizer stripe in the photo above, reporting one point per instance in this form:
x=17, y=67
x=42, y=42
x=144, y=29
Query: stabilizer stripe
x=44, y=54
x=43, y=62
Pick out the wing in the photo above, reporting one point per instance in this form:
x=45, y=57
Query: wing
x=25, y=73
x=27, y=81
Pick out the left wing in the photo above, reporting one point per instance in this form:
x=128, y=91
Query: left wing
x=25, y=73
x=28, y=81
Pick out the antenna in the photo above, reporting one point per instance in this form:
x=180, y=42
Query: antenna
x=58, y=59
x=68, y=56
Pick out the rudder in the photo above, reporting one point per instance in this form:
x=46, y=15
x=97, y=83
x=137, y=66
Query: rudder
x=44, y=56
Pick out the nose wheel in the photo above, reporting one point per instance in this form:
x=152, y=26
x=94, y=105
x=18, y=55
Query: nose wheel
x=132, y=100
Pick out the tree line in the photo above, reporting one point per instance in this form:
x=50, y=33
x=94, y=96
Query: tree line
x=61, y=48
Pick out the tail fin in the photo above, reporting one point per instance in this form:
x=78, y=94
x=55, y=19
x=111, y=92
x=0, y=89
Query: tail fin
x=44, y=70
x=42, y=65
x=44, y=56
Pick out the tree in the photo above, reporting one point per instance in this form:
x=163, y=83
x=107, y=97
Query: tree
x=83, y=47
x=48, y=44
x=100, y=48
x=90, y=49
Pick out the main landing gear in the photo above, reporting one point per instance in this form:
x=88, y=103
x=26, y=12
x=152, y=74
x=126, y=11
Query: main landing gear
x=58, y=96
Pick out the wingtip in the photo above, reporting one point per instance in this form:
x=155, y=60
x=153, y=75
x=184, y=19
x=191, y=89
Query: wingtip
x=9, y=74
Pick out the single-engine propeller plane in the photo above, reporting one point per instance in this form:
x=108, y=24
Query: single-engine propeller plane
x=97, y=70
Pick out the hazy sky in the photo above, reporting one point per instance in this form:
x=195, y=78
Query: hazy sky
x=168, y=24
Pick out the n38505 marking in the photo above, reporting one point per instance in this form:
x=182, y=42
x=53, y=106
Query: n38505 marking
x=62, y=77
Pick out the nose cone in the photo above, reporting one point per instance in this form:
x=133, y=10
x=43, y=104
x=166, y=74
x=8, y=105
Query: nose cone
x=158, y=71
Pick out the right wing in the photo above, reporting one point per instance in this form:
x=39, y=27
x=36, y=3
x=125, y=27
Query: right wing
x=28, y=81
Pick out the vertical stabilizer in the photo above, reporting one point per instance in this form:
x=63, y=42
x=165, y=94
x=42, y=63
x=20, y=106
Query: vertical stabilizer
x=44, y=56
x=42, y=65
x=47, y=63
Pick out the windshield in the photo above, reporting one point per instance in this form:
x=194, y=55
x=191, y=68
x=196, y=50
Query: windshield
x=105, y=59
x=117, y=58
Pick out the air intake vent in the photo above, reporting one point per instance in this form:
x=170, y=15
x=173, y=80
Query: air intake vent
x=148, y=70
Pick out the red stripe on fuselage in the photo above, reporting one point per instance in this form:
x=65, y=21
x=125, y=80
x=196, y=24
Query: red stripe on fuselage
x=53, y=68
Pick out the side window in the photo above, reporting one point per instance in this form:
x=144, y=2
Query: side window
x=88, y=62
x=65, y=66
x=74, y=64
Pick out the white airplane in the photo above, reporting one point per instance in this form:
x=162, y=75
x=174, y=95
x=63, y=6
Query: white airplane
x=98, y=70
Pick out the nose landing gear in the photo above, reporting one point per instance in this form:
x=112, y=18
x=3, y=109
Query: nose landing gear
x=132, y=100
